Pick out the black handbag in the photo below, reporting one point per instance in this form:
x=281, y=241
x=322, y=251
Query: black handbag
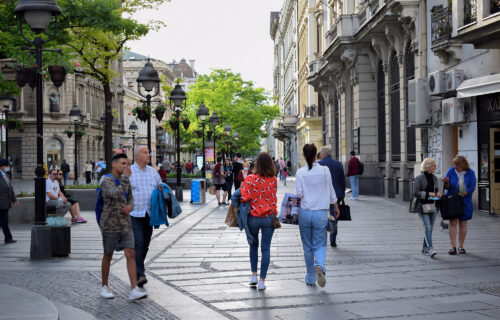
x=345, y=211
x=451, y=206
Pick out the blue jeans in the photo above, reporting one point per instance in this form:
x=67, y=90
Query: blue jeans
x=229, y=187
x=142, y=234
x=65, y=177
x=312, y=225
x=428, y=219
x=266, y=225
x=354, y=185
x=4, y=223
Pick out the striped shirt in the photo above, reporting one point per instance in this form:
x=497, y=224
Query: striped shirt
x=144, y=182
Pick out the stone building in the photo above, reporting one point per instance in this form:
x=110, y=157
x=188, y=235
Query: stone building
x=78, y=89
x=162, y=143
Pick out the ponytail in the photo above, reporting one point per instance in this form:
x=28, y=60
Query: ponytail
x=310, y=151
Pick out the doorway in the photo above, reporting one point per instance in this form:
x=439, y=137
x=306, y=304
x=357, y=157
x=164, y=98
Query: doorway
x=495, y=170
x=54, y=152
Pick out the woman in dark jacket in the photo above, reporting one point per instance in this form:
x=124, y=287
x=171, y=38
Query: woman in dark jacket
x=460, y=179
x=425, y=188
x=228, y=170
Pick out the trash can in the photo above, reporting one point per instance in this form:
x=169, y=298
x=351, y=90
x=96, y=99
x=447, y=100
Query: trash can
x=198, y=189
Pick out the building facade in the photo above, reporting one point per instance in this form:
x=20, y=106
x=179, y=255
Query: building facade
x=79, y=90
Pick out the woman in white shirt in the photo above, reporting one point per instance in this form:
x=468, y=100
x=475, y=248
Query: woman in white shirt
x=315, y=189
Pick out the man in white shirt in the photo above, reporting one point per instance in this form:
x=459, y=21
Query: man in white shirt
x=144, y=180
x=54, y=196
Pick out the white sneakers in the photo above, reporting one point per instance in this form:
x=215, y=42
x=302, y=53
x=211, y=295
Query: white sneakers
x=136, y=293
x=320, y=276
x=261, y=286
x=106, y=293
x=253, y=280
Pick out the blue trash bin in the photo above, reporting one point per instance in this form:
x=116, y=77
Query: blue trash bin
x=198, y=188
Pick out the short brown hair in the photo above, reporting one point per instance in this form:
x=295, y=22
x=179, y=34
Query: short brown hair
x=461, y=161
x=264, y=165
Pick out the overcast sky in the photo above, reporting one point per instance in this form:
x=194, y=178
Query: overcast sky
x=230, y=34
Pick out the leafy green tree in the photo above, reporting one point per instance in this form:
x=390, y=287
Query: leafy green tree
x=237, y=102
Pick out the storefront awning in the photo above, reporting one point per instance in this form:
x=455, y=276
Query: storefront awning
x=479, y=86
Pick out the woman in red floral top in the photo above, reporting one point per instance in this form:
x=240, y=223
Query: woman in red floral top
x=260, y=190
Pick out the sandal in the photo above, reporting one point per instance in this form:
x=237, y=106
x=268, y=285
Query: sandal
x=81, y=220
x=461, y=250
x=452, y=251
x=74, y=220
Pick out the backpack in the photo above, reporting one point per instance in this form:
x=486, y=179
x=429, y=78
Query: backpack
x=361, y=168
x=99, y=204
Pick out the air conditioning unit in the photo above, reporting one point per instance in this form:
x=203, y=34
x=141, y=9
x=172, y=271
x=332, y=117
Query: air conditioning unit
x=453, y=79
x=452, y=110
x=437, y=83
x=418, y=102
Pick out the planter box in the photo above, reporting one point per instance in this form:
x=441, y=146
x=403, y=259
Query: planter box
x=186, y=183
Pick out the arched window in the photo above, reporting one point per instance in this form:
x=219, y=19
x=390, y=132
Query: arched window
x=54, y=151
x=381, y=113
x=395, y=109
x=411, y=148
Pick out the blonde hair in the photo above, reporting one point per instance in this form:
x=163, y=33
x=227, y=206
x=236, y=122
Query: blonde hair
x=246, y=163
x=461, y=161
x=427, y=164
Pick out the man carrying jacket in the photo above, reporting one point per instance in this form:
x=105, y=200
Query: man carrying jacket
x=338, y=181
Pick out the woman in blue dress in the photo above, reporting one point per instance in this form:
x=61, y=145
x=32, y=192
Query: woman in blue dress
x=460, y=179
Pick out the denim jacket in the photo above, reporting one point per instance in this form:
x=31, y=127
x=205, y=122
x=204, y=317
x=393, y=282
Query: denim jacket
x=243, y=212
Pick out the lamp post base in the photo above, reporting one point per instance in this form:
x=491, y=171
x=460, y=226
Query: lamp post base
x=178, y=194
x=40, y=243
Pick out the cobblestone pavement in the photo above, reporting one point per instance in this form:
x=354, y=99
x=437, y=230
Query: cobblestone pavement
x=198, y=269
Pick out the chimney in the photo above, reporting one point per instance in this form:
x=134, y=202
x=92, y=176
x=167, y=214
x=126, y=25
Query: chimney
x=191, y=62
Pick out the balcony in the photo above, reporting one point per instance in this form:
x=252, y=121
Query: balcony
x=290, y=120
x=311, y=112
x=344, y=29
x=441, y=31
x=477, y=22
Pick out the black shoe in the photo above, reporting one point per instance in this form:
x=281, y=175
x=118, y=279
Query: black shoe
x=461, y=250
x=220, y=204
x=10, y=241
x=333, y=244
x=452, y=251
x=142, y=281
x=224, y=203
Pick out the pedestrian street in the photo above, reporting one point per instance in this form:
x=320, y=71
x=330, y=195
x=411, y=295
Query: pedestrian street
x=198, y=268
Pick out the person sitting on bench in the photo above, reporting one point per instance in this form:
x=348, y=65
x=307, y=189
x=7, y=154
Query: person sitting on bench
x=55, y=198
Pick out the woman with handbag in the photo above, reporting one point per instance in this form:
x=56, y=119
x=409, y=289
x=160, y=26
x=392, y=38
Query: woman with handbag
x=460, y=179
x=259, y=189
x=315, y=189
x=425, y=189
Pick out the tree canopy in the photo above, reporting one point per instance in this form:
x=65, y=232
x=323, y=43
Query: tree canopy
x=237, y=102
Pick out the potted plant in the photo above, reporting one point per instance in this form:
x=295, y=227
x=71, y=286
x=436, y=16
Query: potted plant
x=160, y=111
x=185, y=122
x=174, y=123
x=142, y=113
x=79, y=133
x=57, y=75
x=99, y=137
x=25, y=75
x=69, y=133
x=12, y=124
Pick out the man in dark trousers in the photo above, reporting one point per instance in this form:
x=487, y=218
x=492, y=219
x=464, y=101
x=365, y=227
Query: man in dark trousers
x=237, y=167
x=338, y=181
x=65, y=170
x=7, y=197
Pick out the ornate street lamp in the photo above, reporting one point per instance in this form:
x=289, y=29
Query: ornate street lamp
x=7, y=104
x=178, y=103
x=38, y=14
x=227, y=133
x=148, y=78
x=202, y=114
x=75, y=115
x=133, y=128
x=214, y=121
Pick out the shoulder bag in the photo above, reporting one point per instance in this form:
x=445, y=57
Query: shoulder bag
x=451, y=206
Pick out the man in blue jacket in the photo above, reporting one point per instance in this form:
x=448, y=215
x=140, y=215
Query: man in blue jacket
x=338, y=181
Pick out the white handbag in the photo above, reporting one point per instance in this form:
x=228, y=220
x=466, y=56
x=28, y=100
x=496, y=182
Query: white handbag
x=429, y=207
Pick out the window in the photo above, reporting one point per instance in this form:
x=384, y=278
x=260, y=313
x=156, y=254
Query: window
x=411, y=148
x=381, y=112
x=395, y=109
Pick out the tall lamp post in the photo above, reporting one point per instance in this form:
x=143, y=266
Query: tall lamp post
x=75, y=116
x=202, y=114
x=236, y=137
x=38, y=15
x=227, y=132
x=214, y=121
x=178, y=103
x=148, y=78
x=133, y=128
x=7, y=103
